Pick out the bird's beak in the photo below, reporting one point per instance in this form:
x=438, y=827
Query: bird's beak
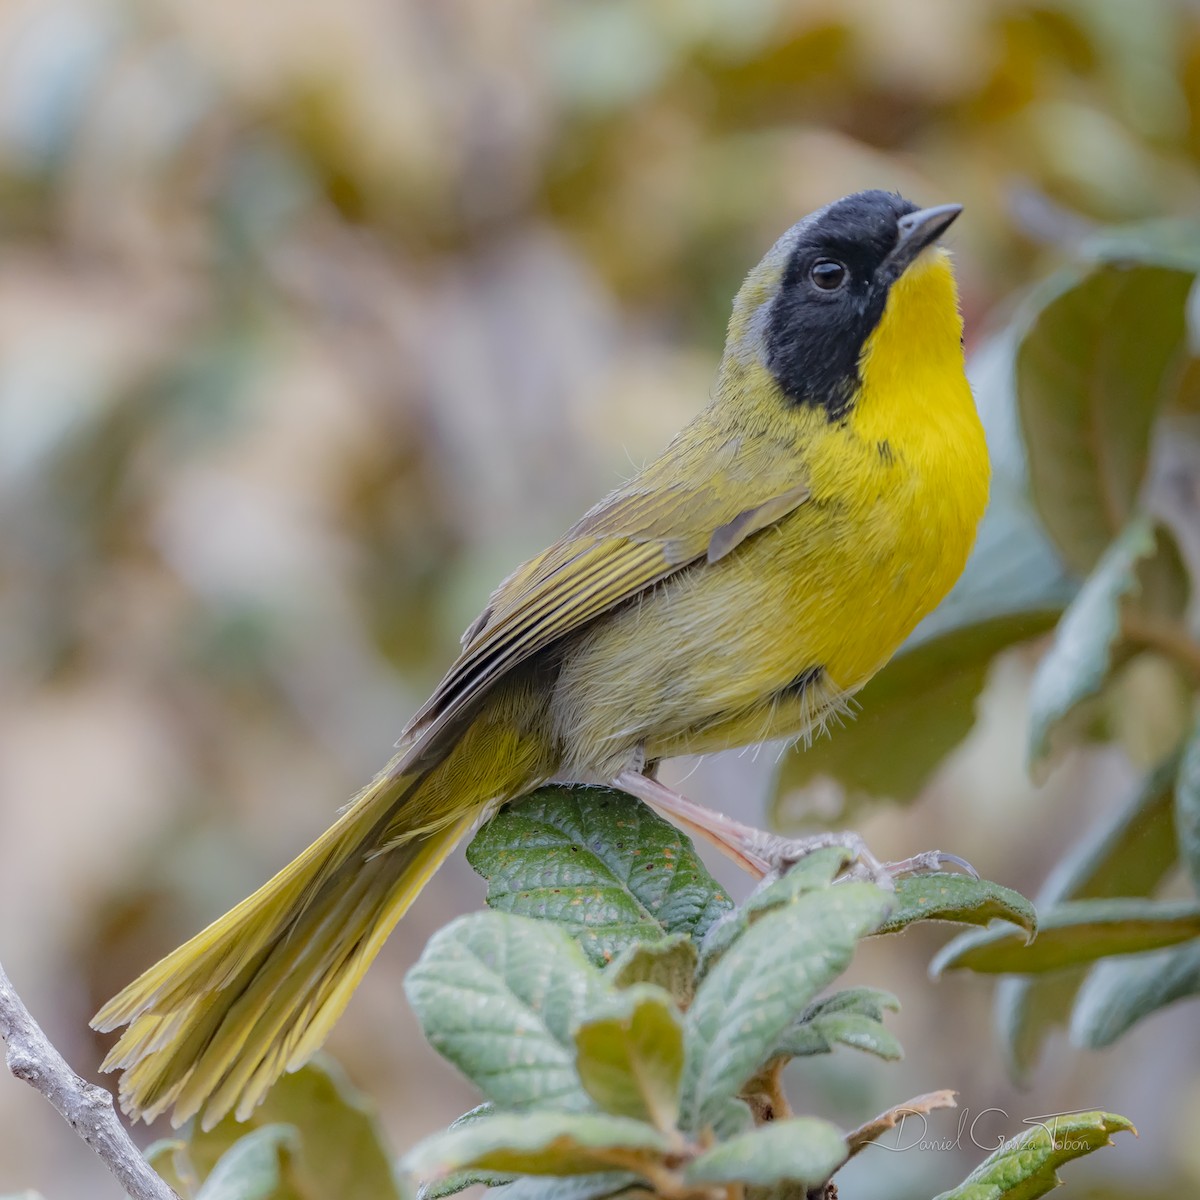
x=918, y=230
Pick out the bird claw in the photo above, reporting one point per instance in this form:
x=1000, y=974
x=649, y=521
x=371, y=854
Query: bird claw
x=782, y=854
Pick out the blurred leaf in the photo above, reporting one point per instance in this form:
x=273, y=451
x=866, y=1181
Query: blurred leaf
x=1026, y=1166
x=598, y=863
x=169, y=1158
x=1027, y=1009
x=571, y=1187
x=255, y=1167
x=499, y=996
x=669, y=964
x=1077, y=931
x=894, y=745
x=922, y=1105
x=799, y=1150
x=631, y=1055
x=1092, y=369
x=1080, y=656
x=1169, y=243
x=1187, y=807
x=1119, y=993
x=1127, y=854
x=539, y=1143
x=754, y=993
x=945, y=896
x=340, y=1149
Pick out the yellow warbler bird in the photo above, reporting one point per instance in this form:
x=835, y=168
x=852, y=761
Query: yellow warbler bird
x=741, y=587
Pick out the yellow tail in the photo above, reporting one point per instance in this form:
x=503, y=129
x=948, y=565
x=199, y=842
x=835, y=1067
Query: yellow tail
x=217, y=1021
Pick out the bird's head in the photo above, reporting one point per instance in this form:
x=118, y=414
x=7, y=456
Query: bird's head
x=844, y=292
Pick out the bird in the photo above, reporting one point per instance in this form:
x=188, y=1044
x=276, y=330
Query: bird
x=741, y=587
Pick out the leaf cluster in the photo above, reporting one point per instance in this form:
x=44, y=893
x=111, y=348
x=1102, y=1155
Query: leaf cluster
x=627, y=1025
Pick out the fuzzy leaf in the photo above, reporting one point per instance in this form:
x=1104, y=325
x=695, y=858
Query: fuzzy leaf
x=852, y=1017
x=539, y=1143
x=499, y=996
x=631, y=1055
x=599, y=864
x=570, y=1187
x=457, y=1181
x=1119, y=993
x=822, y=1034
x=255, y=1167
x=340, y=1149
x=756, y=991
x=813, y=873
x=669, y=964
x=939, y=896
x=1092, y=368
x=1080, y=657
x=1076, y=932
x=799, y=1150
x=1026, y=1166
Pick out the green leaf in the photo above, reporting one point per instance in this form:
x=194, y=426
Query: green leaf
x=1027, y=1008
x=815, y=872
x=1187, y=807
x=631, y=1055
x=1126, y=854
x=943, y=896
x=1076, y=932
x=340, y=1148
x=669, y=964
x=539, y=1143
x=1081, y=655
x=255, y=1167
x=499, y=996
x=893, y=745
x=169, y=1158
x=822, y=1034
x=1092, y=368
x=852, y=1017
x=450, y=1185
x=800, y=1150
x=598, y=863
x=1026, y=1166
x=571, y=1187
x=1118, y=994
x=762, y=984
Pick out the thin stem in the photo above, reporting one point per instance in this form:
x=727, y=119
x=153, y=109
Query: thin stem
x=1170, y=637
x=88, y=1109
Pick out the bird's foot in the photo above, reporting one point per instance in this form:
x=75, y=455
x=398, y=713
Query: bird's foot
x=768, y=854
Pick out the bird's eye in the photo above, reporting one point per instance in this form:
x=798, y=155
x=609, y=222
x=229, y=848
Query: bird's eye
x=828, y=274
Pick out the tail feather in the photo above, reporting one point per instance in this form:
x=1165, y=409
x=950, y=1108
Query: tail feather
x=217, y=1021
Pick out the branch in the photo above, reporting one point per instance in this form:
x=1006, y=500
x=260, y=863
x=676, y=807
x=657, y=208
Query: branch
x=88, y=1109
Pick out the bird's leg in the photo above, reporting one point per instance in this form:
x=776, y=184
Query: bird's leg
x=763, y=853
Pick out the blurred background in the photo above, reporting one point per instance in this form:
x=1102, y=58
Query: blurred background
x=316, y=317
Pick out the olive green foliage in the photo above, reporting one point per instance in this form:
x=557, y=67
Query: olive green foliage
x=626, y=1025
x=1091, y=536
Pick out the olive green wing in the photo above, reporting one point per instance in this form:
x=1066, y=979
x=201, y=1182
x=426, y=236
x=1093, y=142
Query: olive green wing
x=660, y=522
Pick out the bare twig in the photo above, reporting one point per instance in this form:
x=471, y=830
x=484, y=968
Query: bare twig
x=87, y=1108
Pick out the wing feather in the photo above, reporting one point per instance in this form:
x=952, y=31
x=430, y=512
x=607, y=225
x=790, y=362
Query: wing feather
x=660, y=522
